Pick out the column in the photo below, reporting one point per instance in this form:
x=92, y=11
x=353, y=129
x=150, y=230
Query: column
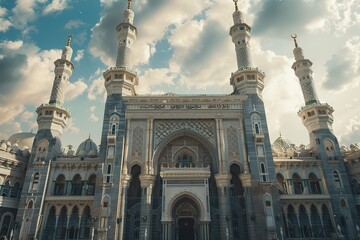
x=250, y=210
x=125, y=179
x=223, y=182
x=67, y=225
x=56, y=224
x=204, y=231
x=147, y=183
x=166, y=230
x=79, y=227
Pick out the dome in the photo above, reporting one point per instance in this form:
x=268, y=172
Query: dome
x=23, y=140
x=283, y=147
x=87, y=149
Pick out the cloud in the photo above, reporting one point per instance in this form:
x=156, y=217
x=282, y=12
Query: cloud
x=97, y=89
x=8, y=112
x=73, y=90
x=352, y=131
x=343, y=69
x=71, y=128
x=27, y=116
x=79, y=55
x=73, y=24
x=55, y=6
x=279, y=18
x=93, y=118
x=4, y=23
x=9, y=129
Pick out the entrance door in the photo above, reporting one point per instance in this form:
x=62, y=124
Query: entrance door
x=186, y=228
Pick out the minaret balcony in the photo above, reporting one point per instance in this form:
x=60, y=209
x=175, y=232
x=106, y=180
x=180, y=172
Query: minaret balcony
x=259, y=137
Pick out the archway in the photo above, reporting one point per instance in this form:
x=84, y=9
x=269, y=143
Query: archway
x=186, y=213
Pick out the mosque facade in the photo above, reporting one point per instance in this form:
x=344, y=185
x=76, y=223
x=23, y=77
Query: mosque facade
x=173, y=167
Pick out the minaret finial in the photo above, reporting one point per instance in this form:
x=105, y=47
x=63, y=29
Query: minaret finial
x=294, y=36
x=236, y=6
x=69, y=40
x=129, y=4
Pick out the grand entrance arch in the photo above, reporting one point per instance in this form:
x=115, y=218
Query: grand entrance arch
x=186, y=217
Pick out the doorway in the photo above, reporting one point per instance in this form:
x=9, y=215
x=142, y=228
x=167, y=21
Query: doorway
x=186, y=228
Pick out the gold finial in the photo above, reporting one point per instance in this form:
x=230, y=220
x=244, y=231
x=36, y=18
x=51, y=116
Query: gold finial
x=69, y=40
x=129, y=4
x=294, y=36
x=236, y=6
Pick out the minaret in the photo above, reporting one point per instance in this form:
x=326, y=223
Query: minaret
x=247, y=79
x=54, y=115
x=122, y=79
x=315, y=116
x=52, y=119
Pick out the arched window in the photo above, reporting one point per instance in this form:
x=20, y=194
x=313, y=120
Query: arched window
x=91, y=185
x=298, y=185
x=114, y=120
x=111, y=152
x=260, y=151
x=35, y=182
x=343, y=203
x=256, y=123
x=30, y=204
x=314, y=184
x=184, y=160
x=337, y=179
x=15, y=190
x=268, y=209
x=76, y=188
x=5, y=189
x=59, y=185
x=281, y=184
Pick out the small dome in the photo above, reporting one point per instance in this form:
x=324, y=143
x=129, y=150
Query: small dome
x=23, y=140
x=87, y=149
x=283, y=147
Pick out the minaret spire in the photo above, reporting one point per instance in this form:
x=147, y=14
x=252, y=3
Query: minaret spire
x=247, y=79
x=294, y=36
x=303, y=71
x=69, y=40
x=236, y=6
x=53, y=116
x=121, y=79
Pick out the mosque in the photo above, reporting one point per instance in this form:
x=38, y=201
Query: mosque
x=177, y=166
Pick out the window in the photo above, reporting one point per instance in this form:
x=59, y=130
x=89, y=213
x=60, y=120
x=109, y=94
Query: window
x=108, y=177
x=268, y=209
x=59, y=185
x=343, y=203
x=263, y=172
x=184, y=160
x=281, y=184
x=30, y=204
x=314, y=184
x=76, y=185
x=35, y=183
x=337, y=179
x=298, y=185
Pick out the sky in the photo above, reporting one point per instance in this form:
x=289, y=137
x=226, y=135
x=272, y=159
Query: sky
x=182, y=47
